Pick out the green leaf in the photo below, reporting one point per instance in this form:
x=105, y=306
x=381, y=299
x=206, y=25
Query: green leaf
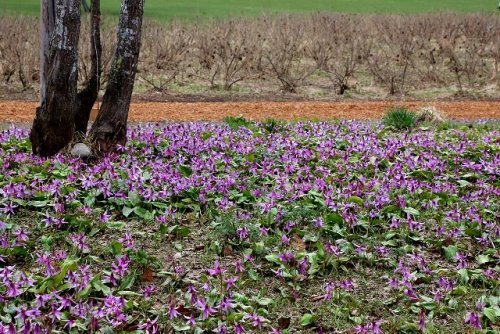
x=84, y=293
x=382, y=165
x=264, y=301
x=314, y=266
x=250, y=157
x=134, y=198
x=143, y=213
x=182, y=232
x=108, y=330
x=353, y=159
x=126, y=211
x=116, y=248
x=423, y=175
x=160, y=205
x=390, y=209
x=180, y=328
x=38, y=204
x=334, y=219
x=273, y=258
x=460, y=291
x=411, y=211
x=19, y=251
x=67, y=265
x=234, y=317
x=128, y=281
x=464, y=275
x=463, y=183
x=185, y=171
x=254, y=276
x=98, y=285
x=492, y=313
x=117, y=225
x=206, y=135
x=450, y=252
x=128, y=294
x=355, y=199
x=482, y=259
x=389, y=243
x=307, y=319
x=163, y=229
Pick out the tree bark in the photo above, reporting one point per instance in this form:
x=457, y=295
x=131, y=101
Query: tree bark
x=47, y=25
x=110, y=128
x=88, y=95
x=53, y=126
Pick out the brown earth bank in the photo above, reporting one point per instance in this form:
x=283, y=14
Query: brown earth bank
x=24, y=111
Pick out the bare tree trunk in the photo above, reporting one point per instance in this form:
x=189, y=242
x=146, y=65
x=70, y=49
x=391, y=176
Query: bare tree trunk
x=88, y=95
x=47, y=25
x=110, y=127
x=53, y=126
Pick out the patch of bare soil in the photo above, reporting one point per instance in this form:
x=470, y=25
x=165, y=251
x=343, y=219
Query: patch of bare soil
x=23, y=111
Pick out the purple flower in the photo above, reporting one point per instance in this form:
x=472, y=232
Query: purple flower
x=461, y=259
x=104, y=217
x=206, y=310
x=473, y=319
x=318, y=223
x=347, y=285
x=127, y=241
x=191, y=321
x=172, y=312
x=238, y=328
x=303, y=265
x=150, y=326
x=242, y=233
x=238, y=267
x=79, y=241
x=226, y=304
x=376, y=327
x=421, y=320
x=332, y=249
x=230, y=281
x=216, y=270
x=480, y=305
x=148, y=291
x=256, y=320
x=221, y=329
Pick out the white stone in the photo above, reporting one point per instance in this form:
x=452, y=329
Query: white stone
x=81, y=150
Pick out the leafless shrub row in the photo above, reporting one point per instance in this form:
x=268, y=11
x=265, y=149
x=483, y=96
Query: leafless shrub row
x=399, y=53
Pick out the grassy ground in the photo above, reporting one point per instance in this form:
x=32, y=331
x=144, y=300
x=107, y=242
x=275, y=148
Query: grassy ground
x=161, y=9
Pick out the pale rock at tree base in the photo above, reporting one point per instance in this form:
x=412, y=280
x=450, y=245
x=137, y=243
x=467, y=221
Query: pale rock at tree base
x=81, y=150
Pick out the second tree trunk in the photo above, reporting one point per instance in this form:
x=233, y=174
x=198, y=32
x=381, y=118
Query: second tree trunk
x=110, y=128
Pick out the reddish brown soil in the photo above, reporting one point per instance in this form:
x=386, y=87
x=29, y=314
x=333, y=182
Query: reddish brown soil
x=22, y=111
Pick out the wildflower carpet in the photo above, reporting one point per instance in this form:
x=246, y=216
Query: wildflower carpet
x=244, y=227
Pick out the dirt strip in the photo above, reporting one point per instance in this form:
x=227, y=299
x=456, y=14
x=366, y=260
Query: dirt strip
x=17, y=111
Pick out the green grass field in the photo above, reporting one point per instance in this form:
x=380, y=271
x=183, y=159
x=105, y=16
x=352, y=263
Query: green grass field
x=181, y=9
